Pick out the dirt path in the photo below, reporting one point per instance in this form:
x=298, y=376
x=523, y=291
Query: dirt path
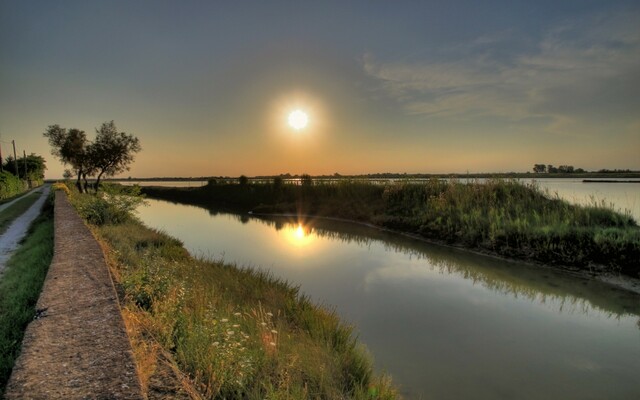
x=77, y=348
x=8, y=204
x=18, y=229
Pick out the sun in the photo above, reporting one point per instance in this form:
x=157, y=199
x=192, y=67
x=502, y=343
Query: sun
x=298, y=119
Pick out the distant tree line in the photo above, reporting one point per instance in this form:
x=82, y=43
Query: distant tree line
x=550, y=169
x=109, y=154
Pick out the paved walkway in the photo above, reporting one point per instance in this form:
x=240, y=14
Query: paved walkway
x=10, y=239
x=78, y=347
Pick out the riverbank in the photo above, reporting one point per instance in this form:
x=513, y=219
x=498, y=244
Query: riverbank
x=503, y=218
x=230, y=332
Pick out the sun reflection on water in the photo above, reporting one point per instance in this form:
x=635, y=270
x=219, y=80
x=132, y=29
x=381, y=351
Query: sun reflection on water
x=298, y=235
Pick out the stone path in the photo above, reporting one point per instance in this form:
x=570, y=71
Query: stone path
x=77, y=348
x=10, y=240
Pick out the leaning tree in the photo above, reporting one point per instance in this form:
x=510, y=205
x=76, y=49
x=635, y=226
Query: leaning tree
x=70, y=147
x=112, y=151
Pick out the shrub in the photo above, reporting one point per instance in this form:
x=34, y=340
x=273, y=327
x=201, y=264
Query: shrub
x=10, y=185
x=114, y=205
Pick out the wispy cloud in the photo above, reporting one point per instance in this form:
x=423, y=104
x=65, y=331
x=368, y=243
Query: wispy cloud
x=582, y=69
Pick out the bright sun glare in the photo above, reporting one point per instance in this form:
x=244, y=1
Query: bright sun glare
x=298, y=119
x=299, y=236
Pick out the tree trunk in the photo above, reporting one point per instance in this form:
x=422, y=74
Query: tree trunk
x=98, y=181
x=78, y=183
x=86, y=183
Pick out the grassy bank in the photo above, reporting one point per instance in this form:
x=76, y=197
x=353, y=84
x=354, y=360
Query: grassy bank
x=501, y=217
x=8, y=215
x=20, y=287
x=233, y=332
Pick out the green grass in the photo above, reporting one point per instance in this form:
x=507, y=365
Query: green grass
x=8, y=215
x=502, y=217
x=10, y=186
x=235, y=332
x=20, y=287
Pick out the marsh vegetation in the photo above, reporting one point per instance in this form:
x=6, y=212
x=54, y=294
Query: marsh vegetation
x=502, y=217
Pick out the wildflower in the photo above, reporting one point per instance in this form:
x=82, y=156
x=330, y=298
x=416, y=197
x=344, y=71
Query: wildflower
x=224, y=320
x=230, y=333
x=216, y=343
x=272, y=343
x=274, y=331
x=236, y=326
x=269, y=314
x=237, y=314
x=263, y=323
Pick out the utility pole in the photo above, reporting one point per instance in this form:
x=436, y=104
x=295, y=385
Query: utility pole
x=15, y=158
x=24, y=154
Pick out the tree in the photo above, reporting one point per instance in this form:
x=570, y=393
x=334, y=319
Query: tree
x=565, y=169
x=243, y=180
x=111, y=152
x=35, y=167
x=539, y=168
x=70, y=147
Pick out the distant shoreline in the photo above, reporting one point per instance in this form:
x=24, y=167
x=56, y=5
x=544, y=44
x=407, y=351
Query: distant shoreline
x=585, y=177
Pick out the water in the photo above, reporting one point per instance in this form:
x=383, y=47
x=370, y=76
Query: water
x=445, y=323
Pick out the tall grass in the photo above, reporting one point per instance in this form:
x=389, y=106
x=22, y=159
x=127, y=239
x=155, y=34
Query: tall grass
x=235, y=332
x=10, y=185
x=503, y=217
x=20, y=287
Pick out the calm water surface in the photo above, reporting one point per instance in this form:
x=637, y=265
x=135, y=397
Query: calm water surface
x=446, y=324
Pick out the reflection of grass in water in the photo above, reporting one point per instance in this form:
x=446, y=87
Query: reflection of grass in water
x=237, y=333
x=502, y=217
x=570, y=293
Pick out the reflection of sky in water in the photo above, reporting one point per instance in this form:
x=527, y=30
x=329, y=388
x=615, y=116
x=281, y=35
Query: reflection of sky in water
x=445, y=323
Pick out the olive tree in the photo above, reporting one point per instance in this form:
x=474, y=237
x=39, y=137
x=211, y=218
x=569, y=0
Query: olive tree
x=112, y=151
x=70, y=147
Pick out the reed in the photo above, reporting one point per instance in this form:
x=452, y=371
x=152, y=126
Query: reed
x=502, y=217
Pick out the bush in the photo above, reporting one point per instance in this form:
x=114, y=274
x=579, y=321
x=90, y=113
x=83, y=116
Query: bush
x=10, y=185
x=114, y=205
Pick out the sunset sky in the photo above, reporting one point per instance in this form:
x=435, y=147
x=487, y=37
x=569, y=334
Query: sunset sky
x=388, y=86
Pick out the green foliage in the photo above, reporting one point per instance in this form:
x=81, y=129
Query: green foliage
x=10, y=185
x=20, y=288
x=114, y=205
x=237, y=333
x=35, y=167
x=112, y=151
x=501, y=217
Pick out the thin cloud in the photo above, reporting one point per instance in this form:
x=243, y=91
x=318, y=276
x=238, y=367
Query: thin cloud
x=582, y=69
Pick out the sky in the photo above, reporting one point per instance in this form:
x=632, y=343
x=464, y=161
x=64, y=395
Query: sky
x=388, y=86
